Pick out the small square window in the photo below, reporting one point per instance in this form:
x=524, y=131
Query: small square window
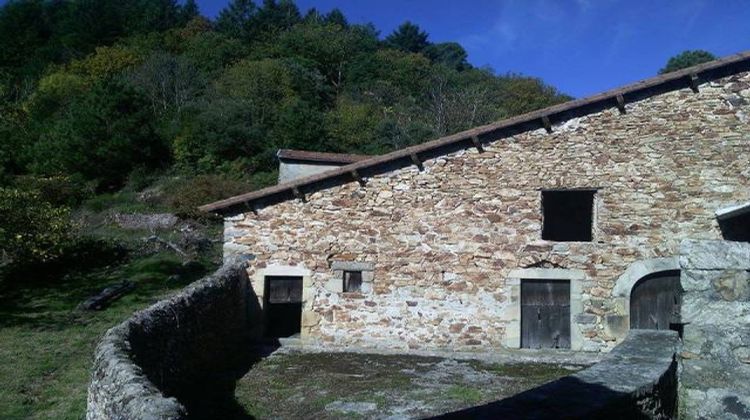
x=568, y=215
x=352, y=281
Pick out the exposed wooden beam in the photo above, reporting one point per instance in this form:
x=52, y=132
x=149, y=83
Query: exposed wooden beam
x=415, y=160
x=547, y=125
x=251, y=207
x=477, y=143
x=299, y=194
x=357, y=177
x=621, y=103
x=694, y=82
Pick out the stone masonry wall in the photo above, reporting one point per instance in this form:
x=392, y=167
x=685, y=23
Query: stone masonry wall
x=177, y=351
x=715, y=377
x=443, y=242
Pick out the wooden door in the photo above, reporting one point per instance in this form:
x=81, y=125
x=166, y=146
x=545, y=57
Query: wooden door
x=283, y=306
x=655, y=302
x=545, y=314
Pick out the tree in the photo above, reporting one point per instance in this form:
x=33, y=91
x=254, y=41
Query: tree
x=220, y=132
x=330, y=46
x=31, y=229
x=408, y=38
x=336, y=17
x=189, y=11
x=449, y=54
x=687, y=59
x=169, y=82
x=236, y=19
x=274, y=17
x=102, y=135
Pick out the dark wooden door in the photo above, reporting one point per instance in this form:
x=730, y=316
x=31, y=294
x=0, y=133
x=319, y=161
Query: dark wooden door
x=655, y=302
x=545, y=314
x=283, y=306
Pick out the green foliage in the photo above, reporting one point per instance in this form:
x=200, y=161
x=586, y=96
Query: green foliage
x=185, y=195
x=236, y=20
x=101, y=136
x=60, y=190
x=31, y=229
x=449, y=54
x=220, y=131
x=408, y=38
x=111, y=92
x=687, y=59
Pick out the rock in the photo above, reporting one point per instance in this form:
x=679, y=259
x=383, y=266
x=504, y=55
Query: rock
x=360, y=408
x=145, y=221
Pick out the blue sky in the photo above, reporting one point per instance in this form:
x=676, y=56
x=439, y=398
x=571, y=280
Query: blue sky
x=580, y=46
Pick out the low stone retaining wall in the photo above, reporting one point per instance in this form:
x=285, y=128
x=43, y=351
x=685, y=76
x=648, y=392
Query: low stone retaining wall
x=715, y=377
x=185, y=348
x=638, y=379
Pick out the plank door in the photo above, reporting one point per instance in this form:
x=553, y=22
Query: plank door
x=283, y=306
x=545, y=314
x=655, y=302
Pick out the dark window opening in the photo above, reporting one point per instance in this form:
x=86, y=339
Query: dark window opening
x=736, y=228
x=568, y=215
x=283, y=306
x=352, y=281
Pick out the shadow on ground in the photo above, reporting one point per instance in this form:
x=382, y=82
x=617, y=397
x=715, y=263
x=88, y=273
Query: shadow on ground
x=215, y=397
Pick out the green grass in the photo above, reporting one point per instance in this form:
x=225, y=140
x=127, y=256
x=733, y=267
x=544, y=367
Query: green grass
x=464, y=394
x=46, y=344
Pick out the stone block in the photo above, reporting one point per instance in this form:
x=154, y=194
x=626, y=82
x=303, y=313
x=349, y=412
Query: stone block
x=714, y=255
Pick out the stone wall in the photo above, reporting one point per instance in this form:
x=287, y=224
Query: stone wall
x=444, y=240
x=182, y=349
x=637, y=380
x=715, y=378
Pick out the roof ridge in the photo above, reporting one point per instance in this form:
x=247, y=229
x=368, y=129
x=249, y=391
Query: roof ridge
x=542, y=118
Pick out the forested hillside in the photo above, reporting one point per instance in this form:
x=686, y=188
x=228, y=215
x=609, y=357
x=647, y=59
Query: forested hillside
x=103, y=97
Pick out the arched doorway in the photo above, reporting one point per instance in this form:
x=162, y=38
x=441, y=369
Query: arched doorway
x=655, y=302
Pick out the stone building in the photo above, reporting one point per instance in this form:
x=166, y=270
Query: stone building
x=557, y=228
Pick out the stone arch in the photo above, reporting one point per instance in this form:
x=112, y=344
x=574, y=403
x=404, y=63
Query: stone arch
x=641, y=269
x=618, y=325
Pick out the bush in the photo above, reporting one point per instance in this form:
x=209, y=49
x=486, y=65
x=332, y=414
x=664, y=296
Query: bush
x=186, y=195
x=32, y=230
x=58, y=190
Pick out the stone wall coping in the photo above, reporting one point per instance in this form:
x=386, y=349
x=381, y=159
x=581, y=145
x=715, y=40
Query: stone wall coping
x=120, y=387
x=638, y=379
x=714, y=255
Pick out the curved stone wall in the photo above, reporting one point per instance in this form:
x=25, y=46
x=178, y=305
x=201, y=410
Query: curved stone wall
x=638, y=379
x=181, y=349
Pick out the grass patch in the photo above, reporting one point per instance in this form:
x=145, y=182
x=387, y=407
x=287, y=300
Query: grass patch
x=47, y=344
x=464, y=394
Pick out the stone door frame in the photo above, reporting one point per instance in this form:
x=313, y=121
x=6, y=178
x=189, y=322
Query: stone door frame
x=576, y=278
x=258, y=282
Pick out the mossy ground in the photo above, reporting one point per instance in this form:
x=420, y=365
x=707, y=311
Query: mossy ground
x=346, y=385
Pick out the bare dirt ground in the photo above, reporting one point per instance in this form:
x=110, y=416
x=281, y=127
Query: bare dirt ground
x=292, y=384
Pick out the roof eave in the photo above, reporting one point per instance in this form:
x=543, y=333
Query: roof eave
x=690, y=77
